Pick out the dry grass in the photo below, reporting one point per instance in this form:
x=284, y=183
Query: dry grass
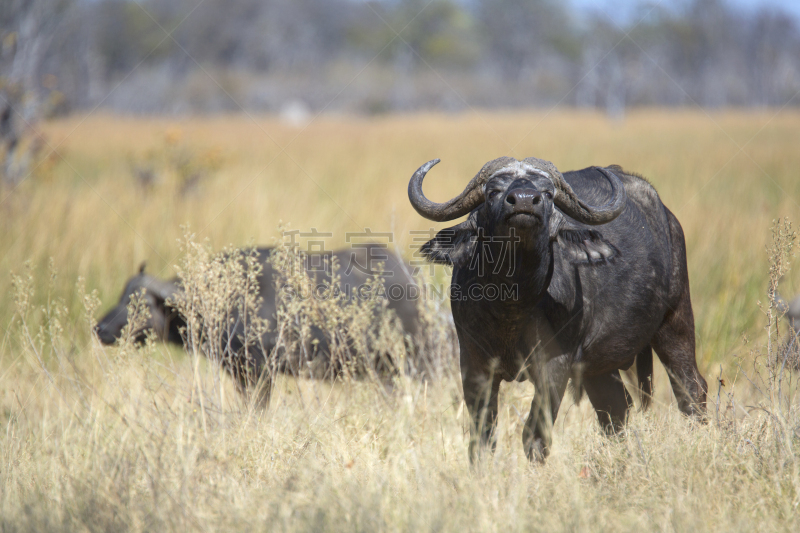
x=110, y=439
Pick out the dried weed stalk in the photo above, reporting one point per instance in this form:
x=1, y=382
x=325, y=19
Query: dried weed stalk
x=328, y=330
x=768, y=424
x=219, y=302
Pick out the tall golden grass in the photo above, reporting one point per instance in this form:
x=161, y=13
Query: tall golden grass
x=104, y=439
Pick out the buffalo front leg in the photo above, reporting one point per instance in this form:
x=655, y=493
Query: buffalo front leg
x=537, y=434
x=610, y=400
x=480, y=395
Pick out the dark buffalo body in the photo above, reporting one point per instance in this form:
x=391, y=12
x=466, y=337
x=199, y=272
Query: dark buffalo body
x=357, y=266
x=589, y=290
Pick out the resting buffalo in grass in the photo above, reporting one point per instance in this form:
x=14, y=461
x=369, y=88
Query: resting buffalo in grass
x=168, y=325
x=548, y=287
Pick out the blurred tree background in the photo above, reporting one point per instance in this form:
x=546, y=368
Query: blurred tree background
x=187, y=56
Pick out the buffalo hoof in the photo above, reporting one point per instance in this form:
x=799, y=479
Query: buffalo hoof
x=536, y=450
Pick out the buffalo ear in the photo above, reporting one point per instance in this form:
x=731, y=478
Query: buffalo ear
x=580, y=245
x=452, y=246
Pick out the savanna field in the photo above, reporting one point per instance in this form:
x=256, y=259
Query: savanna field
x=98, y=438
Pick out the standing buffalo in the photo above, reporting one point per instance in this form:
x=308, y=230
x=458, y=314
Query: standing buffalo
x=548, y=287
x=246, y=364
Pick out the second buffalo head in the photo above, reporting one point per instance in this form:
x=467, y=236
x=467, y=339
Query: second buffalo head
x=161, y=318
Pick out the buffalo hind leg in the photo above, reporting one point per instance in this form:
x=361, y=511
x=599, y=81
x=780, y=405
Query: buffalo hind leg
x=674, y=343
x=550, y=385
x=610, y=400
x=254, y=382
x=480, y=395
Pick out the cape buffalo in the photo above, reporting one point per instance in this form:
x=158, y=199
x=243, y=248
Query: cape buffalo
x=357, y=266
x=547, y=287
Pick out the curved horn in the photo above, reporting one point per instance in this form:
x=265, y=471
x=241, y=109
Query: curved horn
x=470, y=198
x=566, y=200
x=160, y=288
x=449, y=210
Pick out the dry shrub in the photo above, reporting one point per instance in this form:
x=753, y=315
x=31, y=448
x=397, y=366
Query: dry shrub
x=362, y=335
x=329, y=329
x=314, y=311
x=767, y=420
x=789, y=352
x=219, y=302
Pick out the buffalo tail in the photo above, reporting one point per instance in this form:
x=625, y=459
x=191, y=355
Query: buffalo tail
x=644, y=373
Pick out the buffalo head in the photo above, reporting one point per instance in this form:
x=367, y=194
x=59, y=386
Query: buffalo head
x=162, y=320
x=529, y=199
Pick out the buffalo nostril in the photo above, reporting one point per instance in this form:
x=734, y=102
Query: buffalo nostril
x=536, y=199
x=511, y=199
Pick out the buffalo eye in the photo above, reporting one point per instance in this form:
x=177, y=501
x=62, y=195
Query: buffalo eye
x=491, y=194
x=548, y=195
